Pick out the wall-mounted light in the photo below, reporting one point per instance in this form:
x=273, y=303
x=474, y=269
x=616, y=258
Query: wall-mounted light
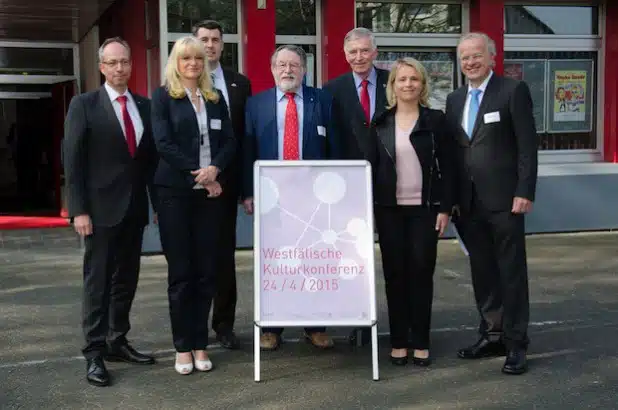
x=261, y=4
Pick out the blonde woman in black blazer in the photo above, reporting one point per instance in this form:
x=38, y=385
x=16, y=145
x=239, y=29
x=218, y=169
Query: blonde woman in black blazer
x=413, y=199
x=195, y=141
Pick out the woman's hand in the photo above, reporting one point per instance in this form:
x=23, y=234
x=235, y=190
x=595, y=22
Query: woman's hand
x=206, y=175
x=214, y=189
x=441, y=223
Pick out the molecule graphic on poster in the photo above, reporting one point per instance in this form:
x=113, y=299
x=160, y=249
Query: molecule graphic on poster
x=314, y=234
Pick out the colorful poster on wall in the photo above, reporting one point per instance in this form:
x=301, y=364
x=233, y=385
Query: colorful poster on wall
x=569, y=95
x=570, y=98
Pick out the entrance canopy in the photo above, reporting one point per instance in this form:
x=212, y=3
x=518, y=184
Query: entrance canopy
x=49, y=20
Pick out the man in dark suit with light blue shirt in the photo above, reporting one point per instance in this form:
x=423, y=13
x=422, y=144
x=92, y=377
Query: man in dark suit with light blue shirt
x=287, y=122
x=492, y=123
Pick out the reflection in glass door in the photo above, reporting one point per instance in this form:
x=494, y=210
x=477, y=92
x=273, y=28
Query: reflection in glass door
x=441, y=68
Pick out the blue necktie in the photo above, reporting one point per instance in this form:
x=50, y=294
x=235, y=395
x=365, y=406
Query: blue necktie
x=473, y=110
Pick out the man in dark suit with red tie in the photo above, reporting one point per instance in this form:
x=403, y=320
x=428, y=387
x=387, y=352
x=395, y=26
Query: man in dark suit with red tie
x=235, y=89
x=359, y=96
x=493, y=124
x=109, y=160
x=287, y=122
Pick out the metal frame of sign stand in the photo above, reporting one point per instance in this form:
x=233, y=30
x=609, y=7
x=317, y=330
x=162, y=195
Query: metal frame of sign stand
x=258, y=323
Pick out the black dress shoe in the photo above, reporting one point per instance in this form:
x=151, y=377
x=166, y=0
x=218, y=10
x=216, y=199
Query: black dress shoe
x=516, y=362
x=421, y=361
x=96, y=373
x=125, y=353
x=399, y=361
x=482, y=348
x=228, y=340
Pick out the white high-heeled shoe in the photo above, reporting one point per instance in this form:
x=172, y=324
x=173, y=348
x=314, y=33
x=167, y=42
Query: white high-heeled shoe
x=202, y=365
x=183, y=368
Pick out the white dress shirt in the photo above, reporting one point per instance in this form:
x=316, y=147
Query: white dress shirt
x=482, y=87
x=138, y=126
x=217, y=73
x=202, y=123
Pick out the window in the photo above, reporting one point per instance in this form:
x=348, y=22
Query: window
x=555, y=20
x=562, y=85
x=229, y=57
x=405, y=17
x=295, y=17
x=555, y=50
x=297, y=23
x=183, y=14
x=36, y=61
x=441, y=70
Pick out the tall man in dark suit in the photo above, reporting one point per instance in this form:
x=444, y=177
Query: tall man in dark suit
x=109, y=159
x=359, y=96
x=492, y=121
x=235, y=88
x=287, y=122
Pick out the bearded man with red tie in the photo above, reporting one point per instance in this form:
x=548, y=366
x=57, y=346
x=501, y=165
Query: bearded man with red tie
x=109, y=159
x=287, y=122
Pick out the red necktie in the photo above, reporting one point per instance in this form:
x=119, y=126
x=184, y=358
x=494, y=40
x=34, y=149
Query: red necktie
x=128, y=125
x=290, y=134
x=364, y=100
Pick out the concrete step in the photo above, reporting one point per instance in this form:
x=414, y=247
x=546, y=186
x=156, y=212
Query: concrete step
x=39, y=239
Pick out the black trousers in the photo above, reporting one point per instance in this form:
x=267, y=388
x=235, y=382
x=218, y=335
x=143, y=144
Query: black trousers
x=224, y=304
x=497, y=247
x=189, y=229
x=408, y=242
x=111, y=271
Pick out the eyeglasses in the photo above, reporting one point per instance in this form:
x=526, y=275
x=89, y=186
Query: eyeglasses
x=114, y=63
x=283, y=66
x=473, y=57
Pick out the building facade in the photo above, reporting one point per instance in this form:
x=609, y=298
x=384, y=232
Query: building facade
x=567, y=52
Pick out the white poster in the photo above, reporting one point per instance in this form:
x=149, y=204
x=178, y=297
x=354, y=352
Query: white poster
x=314, y=245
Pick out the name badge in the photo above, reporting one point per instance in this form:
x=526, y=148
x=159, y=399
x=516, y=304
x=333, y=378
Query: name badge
x=321, y=131
x=491, y=117
x=215, y=124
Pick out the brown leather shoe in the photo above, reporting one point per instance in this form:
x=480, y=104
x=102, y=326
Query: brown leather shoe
x=320, y=340
x=270, y=341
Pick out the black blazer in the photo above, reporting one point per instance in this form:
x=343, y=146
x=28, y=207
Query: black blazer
x=500, y=161
x=348, y=116
x=102, y=179
x=434, y=148
x=177, y=137
x=238, y=91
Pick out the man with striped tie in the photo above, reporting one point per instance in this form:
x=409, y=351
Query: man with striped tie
x=491, y=119
x=290, y=121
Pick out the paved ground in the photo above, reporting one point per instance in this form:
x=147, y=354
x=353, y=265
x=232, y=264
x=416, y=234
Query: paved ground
x=574, y=358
